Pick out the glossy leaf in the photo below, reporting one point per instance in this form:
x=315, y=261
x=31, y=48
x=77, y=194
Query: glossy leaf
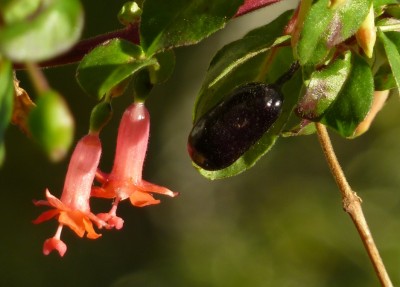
x=323, y=87
x=109, y=64
x=6, y=101
x=51, y=125
x=173, y=23
x=52, y=30
x=325, y=27
x=354, y=100
x=238, y=63
x=391, y=43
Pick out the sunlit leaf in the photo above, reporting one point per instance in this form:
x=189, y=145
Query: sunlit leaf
x=325, y=27
x=354, y=100
x=173, y=23
x=109, y=64
x=323, y=87
x=391, y=43
x=50, y=31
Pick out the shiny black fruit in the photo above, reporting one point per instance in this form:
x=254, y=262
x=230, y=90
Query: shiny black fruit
x=229, y=129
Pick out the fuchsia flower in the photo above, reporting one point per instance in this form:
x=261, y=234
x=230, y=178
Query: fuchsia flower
x=125, y=180
x=73, y=208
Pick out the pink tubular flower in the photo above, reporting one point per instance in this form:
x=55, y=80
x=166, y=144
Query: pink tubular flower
x=125, y=180
x=73, y=208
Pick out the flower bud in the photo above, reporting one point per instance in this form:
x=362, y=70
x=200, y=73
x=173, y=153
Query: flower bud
x=129, y=13
x=366, y=34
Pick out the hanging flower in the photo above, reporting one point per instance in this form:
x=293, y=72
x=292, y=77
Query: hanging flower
x=73, y=208
x=125, y=180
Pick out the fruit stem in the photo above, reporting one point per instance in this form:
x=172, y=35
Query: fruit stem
x=288, y=75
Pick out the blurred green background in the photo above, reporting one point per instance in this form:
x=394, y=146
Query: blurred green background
x=279, y=224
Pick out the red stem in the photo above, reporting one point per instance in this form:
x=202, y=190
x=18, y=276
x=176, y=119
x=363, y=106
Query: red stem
x=251, y=5
x=130, y=33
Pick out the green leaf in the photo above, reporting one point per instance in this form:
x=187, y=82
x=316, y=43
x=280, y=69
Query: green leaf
x=51, y=125
x=6, y=100
x=48, y=32
x=393, y=10
x=173, y=23
x=240, y=62
x=304, y=128
x=391, y=43
x=109, y=64
x=17, y=10
x=166, y=63
x=325, y=27
x=383, y=78
x=354, y=100
x=323, y=87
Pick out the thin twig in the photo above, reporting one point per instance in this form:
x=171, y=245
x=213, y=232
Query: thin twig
x=352, y=205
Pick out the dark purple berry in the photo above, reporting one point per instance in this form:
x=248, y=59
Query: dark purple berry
x=229, y=129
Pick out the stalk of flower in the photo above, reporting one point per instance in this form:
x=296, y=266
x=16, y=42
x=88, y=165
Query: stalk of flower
x=125, y=180
x=73, y=209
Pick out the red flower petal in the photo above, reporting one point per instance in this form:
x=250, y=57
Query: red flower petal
x=146, y=186
x=141, y=199
x=46, y=216
x=54, y=244
x=74, y=220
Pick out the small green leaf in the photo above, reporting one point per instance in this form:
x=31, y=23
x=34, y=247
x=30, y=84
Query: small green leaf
x=323, y=87
x=325, y=27
x=129, y=13
x=391, y=43
x=51, y=125
x=48, y=32
x=354, y=100
x=304, y=128
x=109, y=64
x=173, y=23
x=6, y=100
